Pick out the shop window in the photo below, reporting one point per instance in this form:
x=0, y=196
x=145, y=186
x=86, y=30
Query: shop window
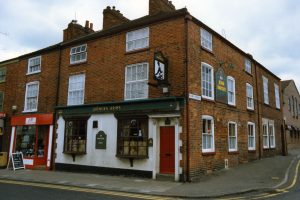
x=32, y=141
x=132, y=137
x=75, y=135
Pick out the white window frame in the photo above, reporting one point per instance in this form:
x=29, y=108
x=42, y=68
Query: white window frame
x=277, y=96
x=80, y=52
x=134, y=41
x=70, y=103
x=249, y=97
x=265, y=134
x=29, y=66
x=251, y=136
x=248, y=67
x=236, y=137
x=230, y=78
x=26, y=96
x=272, y=139
x=212, y=84
x=141, y=80
x=266, y=90
x=206, y=39
x=212, y=149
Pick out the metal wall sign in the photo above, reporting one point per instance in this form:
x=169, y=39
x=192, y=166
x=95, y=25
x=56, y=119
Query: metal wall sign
x=101, y=140
x=160, y=68
x=221, y=86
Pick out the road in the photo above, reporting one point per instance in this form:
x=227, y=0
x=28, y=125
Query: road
x=14, y=190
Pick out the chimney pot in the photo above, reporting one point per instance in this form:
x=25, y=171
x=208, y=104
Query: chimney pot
x=87, y=24
x=91, y=26
x=114, y=7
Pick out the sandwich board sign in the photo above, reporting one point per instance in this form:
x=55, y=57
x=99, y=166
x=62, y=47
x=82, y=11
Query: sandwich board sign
x=16, y=159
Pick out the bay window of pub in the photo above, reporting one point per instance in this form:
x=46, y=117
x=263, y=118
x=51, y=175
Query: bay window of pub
x=32, y=141
x=132, y=137
x=75, y=135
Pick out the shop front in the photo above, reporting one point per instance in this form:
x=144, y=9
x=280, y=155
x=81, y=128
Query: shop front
x=32, y=135
x=133, y=138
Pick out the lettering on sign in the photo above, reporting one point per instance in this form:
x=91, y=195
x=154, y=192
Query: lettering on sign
x=16, y=159
x=30, y=120
x=100, y=140
x=106, y=108
x=195, y=97
x=221, y=86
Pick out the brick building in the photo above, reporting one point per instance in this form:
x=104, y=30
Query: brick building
x=162, y=94
x=291, y=113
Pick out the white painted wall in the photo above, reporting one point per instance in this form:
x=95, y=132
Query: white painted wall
x=101, y=157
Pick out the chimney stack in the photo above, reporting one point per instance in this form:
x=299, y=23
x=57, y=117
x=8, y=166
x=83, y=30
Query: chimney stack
x=157, y=6
x=75, y=30
x=112, y=17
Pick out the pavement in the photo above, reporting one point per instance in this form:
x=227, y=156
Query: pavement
x=260, y=175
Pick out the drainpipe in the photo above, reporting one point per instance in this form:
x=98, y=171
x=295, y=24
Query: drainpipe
x=52, y=166
x=258, y=109
x=187, y=164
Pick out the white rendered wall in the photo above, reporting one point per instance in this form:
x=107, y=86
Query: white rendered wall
x=101, y=157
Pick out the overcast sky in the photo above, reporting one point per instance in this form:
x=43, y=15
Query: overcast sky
x=267, y=29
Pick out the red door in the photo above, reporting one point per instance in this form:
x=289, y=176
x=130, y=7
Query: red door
x=167, y=150
x=41, y=149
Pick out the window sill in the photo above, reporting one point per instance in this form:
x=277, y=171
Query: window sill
x=77, y=63
x=250, y=110
x=212, y=153
x=232, y=105
x=74, y=152
x=268, y=105
x=251, y=150
x=32, y=73
x=233, y=152
x=250, y=74
x=29, y=111
x=2, y=82
x=204, y=98
x=207, y=50
x=133, y=156
x=137, y=51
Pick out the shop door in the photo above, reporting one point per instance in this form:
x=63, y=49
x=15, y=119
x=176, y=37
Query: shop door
x=167, y=150
x=41, y=150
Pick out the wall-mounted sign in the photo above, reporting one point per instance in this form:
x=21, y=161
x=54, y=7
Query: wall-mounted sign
x=195, y=97
x=221, y=86
x=101, y=140
x=30, y=121
x=160, y=68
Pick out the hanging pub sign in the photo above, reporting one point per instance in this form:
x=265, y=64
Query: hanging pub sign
x=221, y=86
x=160, y=68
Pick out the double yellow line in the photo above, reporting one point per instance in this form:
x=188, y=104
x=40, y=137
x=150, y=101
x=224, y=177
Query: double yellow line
x=87, y=190
x=276, y=192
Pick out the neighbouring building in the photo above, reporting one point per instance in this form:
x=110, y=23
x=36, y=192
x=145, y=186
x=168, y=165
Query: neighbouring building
x=291, y=113
x=162, y=94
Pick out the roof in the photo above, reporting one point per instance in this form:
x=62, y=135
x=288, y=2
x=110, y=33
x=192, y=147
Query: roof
x=285, y=83
x=133, y=24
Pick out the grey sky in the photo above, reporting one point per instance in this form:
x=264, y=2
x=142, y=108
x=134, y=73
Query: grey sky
x=267, y=29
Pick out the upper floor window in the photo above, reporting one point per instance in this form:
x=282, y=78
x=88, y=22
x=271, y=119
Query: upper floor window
x=2, y=74
x=206, y=39
x=250, y=100
x=290, y=106
x=78, y=54
x=232, y=136
x=76, y=89
x=208, y=144
x=207, y=76
x=277, y=97
x=136, y=81
x=248, y=66
x=137, y=39
x=31, y=97
x=251, y=136
x=231, y=90
x=1, y=101
x=266, y=90
x=34, y=65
